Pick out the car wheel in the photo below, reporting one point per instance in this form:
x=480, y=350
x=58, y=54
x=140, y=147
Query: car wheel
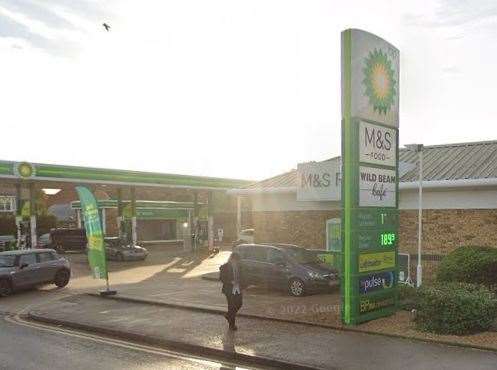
x=120, y=257
x=5, y=288
x=296, y=287
x=62, y=278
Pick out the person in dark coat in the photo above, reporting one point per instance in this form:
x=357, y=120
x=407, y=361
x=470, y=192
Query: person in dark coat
x=231, y=277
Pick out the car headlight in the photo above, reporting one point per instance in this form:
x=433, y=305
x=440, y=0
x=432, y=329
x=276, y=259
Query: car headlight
x=315, y=276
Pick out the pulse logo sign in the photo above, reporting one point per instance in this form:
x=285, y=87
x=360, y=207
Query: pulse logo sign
x=378, y=281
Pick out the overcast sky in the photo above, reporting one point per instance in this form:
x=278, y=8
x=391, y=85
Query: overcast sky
x=243, y=89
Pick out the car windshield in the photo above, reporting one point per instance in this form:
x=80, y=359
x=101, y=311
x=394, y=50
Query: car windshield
x=112, y=242
x=302, y=255
x=7, y=261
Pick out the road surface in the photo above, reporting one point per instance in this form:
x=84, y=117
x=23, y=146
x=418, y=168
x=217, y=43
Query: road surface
x=26, y=345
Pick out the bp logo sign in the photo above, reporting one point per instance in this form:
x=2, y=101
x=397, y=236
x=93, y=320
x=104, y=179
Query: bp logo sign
x=24, y=169
x=370, y=111
x=379, y=81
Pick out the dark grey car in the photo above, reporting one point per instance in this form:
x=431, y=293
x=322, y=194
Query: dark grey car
x=28, y=268
x=285, y=266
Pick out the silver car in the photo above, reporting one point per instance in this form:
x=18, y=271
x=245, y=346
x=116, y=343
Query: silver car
x=116, y=249
x=28, y=268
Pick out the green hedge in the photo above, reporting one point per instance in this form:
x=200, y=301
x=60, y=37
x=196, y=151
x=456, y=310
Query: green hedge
x=407, y=297
x=476, y=265
x=455, y=308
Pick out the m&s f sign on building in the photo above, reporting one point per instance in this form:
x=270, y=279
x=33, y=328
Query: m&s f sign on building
x=370, y=127
x=318, y=182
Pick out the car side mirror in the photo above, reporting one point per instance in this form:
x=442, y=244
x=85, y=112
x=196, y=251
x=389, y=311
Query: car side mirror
x=24, y=265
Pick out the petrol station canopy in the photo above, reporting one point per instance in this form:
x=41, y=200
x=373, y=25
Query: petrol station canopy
x=88, y=175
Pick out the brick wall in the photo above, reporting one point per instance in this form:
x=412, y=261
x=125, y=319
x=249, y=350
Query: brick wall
x=443, y=230
x=111, y=222
x=305, y=228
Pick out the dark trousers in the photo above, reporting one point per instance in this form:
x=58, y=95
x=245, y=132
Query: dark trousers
x=235, y=302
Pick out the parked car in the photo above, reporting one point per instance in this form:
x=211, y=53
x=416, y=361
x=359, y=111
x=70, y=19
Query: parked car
x=68, y=239
x=6, y=241
x=43, y=241
x=285, y=266
x=245, y=237
x=22, y=269
x=118, y=250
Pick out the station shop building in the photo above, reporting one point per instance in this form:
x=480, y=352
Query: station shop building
x=459, y=200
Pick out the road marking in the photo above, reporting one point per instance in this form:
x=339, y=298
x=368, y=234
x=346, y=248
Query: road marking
x=17, y=320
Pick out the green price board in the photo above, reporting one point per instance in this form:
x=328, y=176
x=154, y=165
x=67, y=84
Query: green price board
x=388, y=239
x=370, y=217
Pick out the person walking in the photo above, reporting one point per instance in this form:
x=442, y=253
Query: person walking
x=231, y=277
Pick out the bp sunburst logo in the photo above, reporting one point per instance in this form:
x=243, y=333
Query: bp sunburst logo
x=379, y=81
x=24, y=169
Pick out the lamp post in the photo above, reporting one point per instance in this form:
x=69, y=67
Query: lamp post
x=418, y=148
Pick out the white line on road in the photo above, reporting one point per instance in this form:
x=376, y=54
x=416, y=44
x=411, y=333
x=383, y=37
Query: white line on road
x=16, y=319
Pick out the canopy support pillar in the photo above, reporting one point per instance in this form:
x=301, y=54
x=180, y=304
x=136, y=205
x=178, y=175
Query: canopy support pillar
x=119, y=218
x=18, y=214
x=210, y=219
x=134, y=235
x=238, y=215
x=32, y=212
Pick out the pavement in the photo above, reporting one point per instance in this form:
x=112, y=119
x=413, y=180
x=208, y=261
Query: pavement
x=288, y=343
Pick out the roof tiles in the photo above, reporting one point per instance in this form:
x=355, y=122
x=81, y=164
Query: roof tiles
x=476, y=160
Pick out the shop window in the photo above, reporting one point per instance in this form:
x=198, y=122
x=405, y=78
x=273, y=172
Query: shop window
x=7, y=204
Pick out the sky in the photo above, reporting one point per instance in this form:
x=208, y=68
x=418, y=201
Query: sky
x=240, y=89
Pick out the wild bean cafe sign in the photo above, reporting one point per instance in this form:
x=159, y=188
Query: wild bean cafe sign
x=377, y=187
x=369, y=184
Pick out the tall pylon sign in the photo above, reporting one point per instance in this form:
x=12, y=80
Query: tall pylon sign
x=370, y=181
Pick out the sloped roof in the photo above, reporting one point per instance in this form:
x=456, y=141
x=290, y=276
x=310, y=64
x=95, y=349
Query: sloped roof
x=461, y=161
x=287, y=179
x=477, y=160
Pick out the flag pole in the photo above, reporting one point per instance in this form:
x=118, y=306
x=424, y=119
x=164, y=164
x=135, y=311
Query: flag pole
x=107, y=290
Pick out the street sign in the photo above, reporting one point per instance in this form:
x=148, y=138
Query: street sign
x=370, y=180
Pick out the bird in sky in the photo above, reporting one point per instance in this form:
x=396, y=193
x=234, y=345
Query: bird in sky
x=106, y=26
